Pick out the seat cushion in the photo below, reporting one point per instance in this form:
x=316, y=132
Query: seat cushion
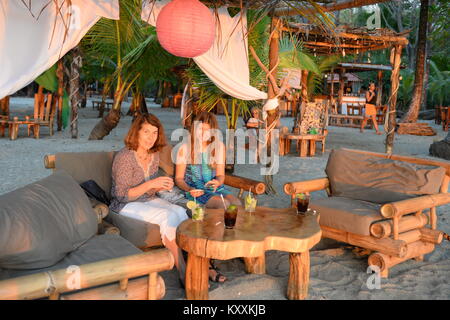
x=98, y=248
x=346, y=214
x=44, y=221
x=84, y=166
x=140, y=233
x=379, y=180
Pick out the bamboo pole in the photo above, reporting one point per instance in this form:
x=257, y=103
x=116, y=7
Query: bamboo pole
x=136, y=289
x=383, y=229
x=393, y=98
x=306, y=186
x=341, y=86
x=93, y=274
x=389, y=246
x=400, y=208
x=257, y=187
x=385, y=261
x=430, y=235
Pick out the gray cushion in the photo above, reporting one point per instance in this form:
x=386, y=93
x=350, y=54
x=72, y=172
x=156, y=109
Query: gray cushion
x=364, y=177
x=43, y=221
x=346, y=214
x=140, y=233
x=84, y=166
x=98, y=248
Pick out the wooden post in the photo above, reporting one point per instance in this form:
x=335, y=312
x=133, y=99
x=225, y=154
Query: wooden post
x=334, y=107
x=304, y=93
x=197, y=278
x=298, y=276
x=396, y=60
x=380, y=88
x=60, y=75
x=74, y=84
x=341, y=87
x=272, y=115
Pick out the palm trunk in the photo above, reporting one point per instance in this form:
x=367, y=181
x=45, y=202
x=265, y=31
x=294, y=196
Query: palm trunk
x=74, y=90
x=413, y=112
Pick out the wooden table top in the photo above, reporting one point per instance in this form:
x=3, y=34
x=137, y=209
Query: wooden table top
x=253, y=234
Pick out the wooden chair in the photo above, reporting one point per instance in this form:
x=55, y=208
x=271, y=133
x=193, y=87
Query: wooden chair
x=381, y=114
x=44, y=113
x=399, y=231
x=314, y=115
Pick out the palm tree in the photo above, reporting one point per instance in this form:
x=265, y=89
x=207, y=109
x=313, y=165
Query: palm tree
x=413, y=112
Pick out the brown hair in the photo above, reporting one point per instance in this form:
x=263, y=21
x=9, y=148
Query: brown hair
x=131, y=140
x=208, y=118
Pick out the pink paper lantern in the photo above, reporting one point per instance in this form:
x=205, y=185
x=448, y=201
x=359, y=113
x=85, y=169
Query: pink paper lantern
x=185, y=28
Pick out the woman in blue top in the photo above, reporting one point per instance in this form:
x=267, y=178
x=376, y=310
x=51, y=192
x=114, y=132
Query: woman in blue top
x=200, y=170
x=200, y=166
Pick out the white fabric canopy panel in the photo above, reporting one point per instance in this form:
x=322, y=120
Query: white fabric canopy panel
x=226, y=62
x=31, y=43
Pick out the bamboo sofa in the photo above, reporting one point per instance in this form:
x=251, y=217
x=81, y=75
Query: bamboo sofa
x=97, y=166
x=383, y=203
x=50, y=248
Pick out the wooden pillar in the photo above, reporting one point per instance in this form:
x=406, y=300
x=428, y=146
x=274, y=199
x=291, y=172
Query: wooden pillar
x=272, y=115
x=304, y=92
x=4, y=106
x=395, y=61
x=60, y=76
x=341, y=86
x=379, y=88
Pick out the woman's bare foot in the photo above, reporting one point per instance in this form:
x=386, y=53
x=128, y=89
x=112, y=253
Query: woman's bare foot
x=379, y=132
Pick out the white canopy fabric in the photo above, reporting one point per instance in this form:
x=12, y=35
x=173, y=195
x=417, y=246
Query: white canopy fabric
x=31, y=43
x=226, y=62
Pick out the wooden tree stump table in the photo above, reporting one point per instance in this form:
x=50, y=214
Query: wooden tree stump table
x=253, y=234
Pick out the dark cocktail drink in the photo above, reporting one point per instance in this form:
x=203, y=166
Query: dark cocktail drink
x=230, y=216
x=302, y=202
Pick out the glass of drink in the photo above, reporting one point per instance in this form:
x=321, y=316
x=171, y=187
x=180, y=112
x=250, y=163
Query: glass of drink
x=302, y=202
x=250, y=203
x=230, y=216
x=198, y=212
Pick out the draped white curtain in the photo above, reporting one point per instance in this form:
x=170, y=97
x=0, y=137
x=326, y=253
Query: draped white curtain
x=31, y=42
x=226, y=62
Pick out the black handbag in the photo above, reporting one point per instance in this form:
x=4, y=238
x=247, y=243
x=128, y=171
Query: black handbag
x=94, y=191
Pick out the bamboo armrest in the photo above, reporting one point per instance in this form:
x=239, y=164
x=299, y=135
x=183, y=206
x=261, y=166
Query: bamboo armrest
x=258, y=187
x=59, y=281
x=400, y=208
x=306, y=186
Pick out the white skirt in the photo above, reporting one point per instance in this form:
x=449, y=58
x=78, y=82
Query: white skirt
x=157, y=211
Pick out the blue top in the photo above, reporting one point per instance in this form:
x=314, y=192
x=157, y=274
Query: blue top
x=197, y=175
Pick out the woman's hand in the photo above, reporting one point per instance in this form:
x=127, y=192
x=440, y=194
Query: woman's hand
x=197, y=193
x=214, y=183
x=161, y=183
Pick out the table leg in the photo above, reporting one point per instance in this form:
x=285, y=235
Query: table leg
x=256, y=265
x=298, y=276
x=303, y=148
x=197, y=278
x=312, y=147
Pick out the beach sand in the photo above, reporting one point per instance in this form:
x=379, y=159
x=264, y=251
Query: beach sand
x=336, y=272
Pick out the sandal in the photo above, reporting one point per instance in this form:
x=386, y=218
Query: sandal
x=218, y=274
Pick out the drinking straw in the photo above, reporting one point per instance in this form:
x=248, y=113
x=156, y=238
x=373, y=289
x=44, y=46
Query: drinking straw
x=223, y=201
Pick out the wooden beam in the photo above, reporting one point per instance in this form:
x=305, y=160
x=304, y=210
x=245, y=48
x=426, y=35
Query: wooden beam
x=289, y=11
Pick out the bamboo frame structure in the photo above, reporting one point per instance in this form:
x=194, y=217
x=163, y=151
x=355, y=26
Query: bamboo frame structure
x=54, y=283
x=409, y=231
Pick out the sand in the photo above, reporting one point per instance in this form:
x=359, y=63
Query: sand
x=336, y=272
